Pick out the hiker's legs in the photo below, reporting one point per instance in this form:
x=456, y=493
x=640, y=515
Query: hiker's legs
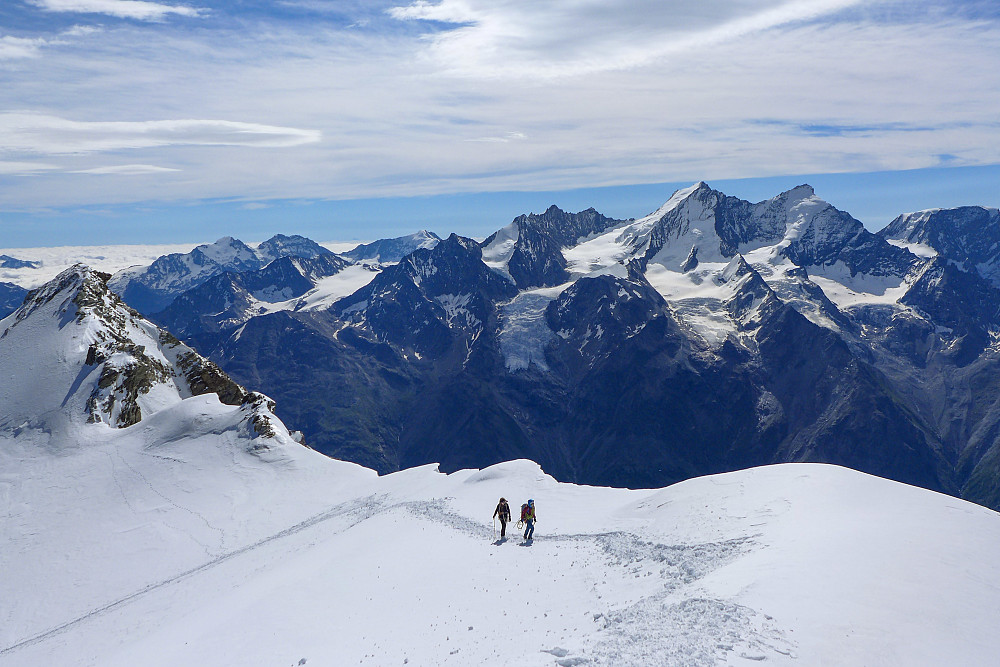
x=503, y=528
x=529, y=532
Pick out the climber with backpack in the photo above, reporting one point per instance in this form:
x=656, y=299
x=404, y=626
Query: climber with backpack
x=502, y=512
x=528, y=519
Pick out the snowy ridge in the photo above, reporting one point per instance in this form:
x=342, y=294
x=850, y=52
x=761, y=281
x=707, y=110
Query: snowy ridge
x=152, y=288
x=727, y=569
x=799, y=244
x=968, y=236
x=390, y=251
x=77, y=355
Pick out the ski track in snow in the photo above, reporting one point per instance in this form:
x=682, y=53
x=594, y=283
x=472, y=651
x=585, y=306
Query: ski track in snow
x=361, y=507
x=661, y=629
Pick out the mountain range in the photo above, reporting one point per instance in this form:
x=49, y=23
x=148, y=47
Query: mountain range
x=158, y=513
x=711, y=335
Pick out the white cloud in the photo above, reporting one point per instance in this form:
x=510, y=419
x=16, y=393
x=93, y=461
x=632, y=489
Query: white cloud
x=11, y=167
x=30, y=133
x=14, y=48
x=738, y=100
x=557, y=39
x=129, y=9
x=126, y=170
x=507, y=138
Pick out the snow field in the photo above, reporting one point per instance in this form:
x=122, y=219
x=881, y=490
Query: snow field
x=190, y=552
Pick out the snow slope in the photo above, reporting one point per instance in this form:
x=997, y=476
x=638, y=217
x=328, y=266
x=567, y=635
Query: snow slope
x=187, y=554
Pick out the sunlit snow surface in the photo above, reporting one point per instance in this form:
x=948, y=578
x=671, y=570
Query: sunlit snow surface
x=327, y=290
x=130, y=550
x=698, y=296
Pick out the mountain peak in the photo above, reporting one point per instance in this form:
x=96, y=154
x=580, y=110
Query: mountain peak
x=800, y=194
x=280, y=245
x=78, y=284
x=117, y=367
x=390, y=251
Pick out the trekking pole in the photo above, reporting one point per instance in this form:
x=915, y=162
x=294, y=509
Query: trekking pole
x=494, y=528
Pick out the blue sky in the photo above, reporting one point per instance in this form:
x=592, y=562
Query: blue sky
x=147, y=122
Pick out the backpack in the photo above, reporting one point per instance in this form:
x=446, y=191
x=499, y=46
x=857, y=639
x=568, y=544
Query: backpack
x=524, y=512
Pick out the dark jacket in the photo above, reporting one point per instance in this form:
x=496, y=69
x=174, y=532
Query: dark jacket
x=502, y=511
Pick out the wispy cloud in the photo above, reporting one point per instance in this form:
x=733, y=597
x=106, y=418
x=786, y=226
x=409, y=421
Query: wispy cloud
x=127, y=9
x=126, y=170
x=31, y=133
x=10, y=167
x=507, y=138
x=600, y=93
x=14, y=48
x=556, y=39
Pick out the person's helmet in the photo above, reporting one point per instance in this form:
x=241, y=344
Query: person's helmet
x=531, y=502
x=503, y=500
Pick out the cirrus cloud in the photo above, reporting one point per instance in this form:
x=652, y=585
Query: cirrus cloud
x=126, y=170
x=32, y=133
x=556, y=39
x=10, y=167
x=15, y=48
x=127, y=9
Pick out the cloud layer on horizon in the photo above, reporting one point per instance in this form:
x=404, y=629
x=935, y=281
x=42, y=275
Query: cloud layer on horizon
x=351, y=99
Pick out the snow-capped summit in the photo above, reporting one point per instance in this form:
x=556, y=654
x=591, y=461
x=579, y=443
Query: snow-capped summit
x=685, y=229
x=74, y=354
x=529, y=251
x=390, y=251
x=699, y=224
x=280, y=245
x=150, y=289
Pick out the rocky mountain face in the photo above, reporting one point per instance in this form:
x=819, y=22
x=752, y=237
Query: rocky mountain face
x=229, y=299
x=430, y=299
x=73, y=332
x=710, y=335
x=968, y=236
x=152, y=288
x=11, y=296
x=529, y=250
